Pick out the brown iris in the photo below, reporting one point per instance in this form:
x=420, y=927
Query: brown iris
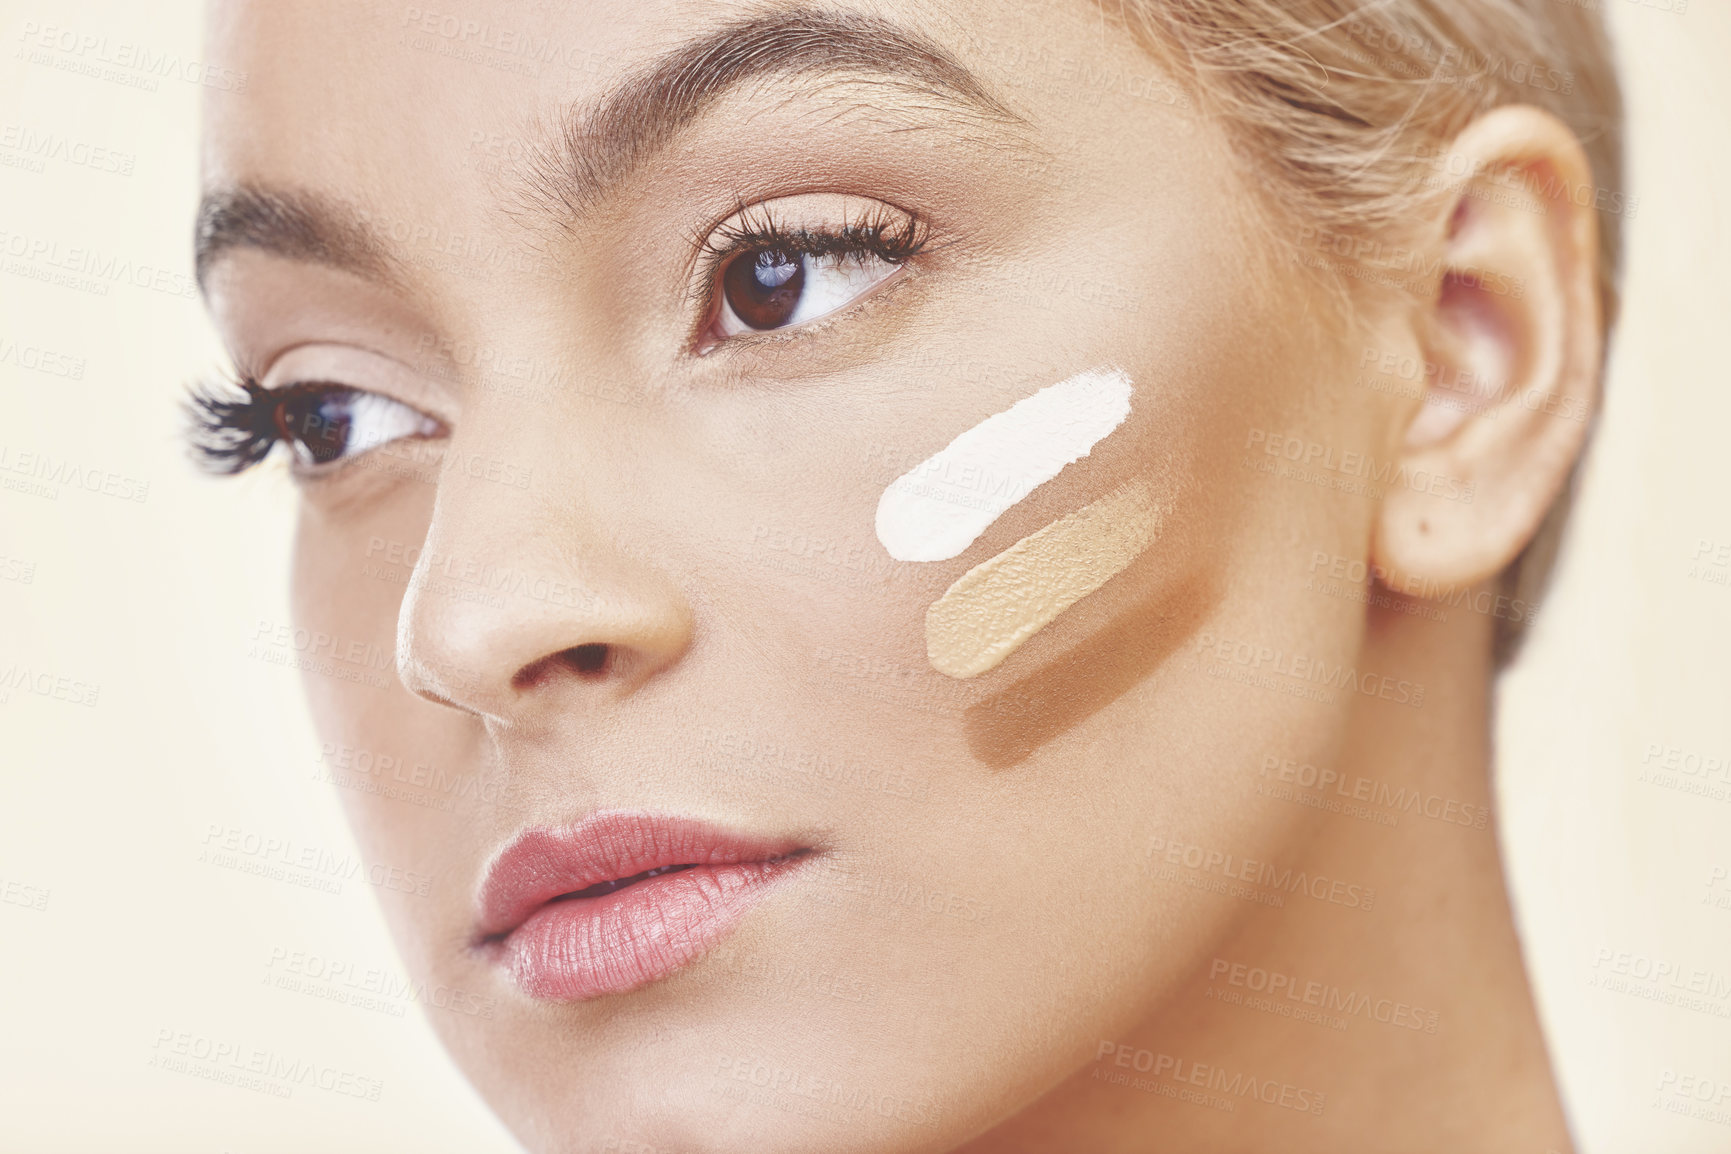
x=763, y=286
x=317, y=421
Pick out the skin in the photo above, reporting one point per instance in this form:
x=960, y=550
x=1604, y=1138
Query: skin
x=657, y=501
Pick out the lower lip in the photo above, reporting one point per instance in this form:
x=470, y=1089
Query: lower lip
x=581, y=948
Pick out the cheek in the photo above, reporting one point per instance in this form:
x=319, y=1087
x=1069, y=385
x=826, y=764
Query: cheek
x=1140, y=718
x=1273, y=670
x=406, y=771
x=352, y=566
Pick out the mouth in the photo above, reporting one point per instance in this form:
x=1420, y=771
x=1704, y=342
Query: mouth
x=620, y=900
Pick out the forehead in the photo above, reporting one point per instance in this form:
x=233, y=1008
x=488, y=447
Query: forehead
x=369, y=69
x=360, y=97
x=411, y=106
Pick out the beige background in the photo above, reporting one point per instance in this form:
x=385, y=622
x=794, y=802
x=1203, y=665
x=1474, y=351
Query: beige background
x=109, y=807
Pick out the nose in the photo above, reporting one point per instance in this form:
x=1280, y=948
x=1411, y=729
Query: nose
x=522, y=606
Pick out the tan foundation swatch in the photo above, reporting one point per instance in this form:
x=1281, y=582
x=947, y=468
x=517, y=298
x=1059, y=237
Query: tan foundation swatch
x=996, y=606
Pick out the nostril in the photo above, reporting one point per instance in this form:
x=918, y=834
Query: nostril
x=587, y=659
x=584, y=660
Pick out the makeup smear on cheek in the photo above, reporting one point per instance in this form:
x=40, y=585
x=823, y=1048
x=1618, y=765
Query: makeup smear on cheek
x=934, y=512
x=1000, y=603
x=939, y=508
x=1008, y=727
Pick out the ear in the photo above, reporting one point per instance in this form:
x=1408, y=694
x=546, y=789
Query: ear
x=1511, y=347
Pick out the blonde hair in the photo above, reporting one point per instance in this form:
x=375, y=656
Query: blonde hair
x=1344, y=109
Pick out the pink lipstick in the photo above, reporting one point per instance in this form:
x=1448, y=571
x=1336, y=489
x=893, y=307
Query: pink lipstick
x=620, y=900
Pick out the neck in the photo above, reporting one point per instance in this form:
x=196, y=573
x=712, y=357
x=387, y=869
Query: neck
x=1410, y=1022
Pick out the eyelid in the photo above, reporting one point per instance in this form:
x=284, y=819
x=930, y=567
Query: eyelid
x=353, y=367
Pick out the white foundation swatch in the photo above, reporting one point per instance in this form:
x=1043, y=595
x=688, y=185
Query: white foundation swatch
x=937, y=509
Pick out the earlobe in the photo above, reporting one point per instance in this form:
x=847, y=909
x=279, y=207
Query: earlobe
x=1511, y=345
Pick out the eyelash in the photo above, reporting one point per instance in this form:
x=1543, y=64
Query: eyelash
x=228, y=434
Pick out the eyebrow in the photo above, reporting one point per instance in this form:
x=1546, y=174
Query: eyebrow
x=289, y=223
x=597, y=148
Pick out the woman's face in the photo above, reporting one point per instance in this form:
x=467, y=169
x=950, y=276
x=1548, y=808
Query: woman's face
x=589, y=580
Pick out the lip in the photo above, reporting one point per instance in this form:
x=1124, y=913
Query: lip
x=571, y=915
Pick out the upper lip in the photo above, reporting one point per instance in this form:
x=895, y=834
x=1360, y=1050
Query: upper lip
x=542, y=865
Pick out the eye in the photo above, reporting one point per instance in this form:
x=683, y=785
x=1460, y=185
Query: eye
x=327, y=423
x=234, y=426
x=781, y=263
x=772, y=288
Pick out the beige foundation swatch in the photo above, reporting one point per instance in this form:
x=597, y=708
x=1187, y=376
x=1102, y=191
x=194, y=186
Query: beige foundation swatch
x=994, y=608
